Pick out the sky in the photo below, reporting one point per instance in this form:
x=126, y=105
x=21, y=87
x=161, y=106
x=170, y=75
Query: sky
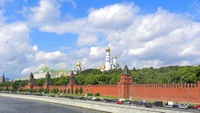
x=59, y=33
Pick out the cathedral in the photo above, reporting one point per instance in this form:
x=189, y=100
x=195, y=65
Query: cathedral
x=108, y=63
x=77, y=69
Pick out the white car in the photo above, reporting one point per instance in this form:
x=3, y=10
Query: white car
x=182, y=106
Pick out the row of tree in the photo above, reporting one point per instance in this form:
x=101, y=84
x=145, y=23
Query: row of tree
x=169, y=74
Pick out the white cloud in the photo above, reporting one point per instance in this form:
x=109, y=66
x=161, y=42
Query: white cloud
x=113, y=16
x=160, y=38
x=46, y=12
x=141, y=40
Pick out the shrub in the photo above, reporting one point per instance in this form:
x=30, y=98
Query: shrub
x=76, y=91
x=97, y=94
x=64, y=91
x=89, y=94
x=81, y=90
x=68, y=91
x=72, y=91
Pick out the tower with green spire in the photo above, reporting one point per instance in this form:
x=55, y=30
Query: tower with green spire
x=47, y=80
x=31, y=82
x=125, y=83
x=3, y=78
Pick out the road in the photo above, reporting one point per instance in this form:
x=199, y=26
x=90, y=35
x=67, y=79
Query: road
x=14, y=105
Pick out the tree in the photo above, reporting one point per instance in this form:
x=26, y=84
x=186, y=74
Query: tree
x=76, y=91
x=72, y=91
x=68, y=91
x=81, y=90
x=64, y=91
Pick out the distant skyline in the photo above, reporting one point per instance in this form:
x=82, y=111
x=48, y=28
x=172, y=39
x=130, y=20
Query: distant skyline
x=60, y=33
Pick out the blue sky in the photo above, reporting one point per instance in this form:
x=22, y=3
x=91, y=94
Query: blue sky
x=59, y=33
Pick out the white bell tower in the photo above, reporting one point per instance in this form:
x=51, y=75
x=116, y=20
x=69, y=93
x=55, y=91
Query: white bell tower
x=107, y=62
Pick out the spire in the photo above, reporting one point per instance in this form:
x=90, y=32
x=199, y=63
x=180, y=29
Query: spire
x=126, y=70
x=31, y=75
x=3, y=78
x=31, y=79
x=48, y=79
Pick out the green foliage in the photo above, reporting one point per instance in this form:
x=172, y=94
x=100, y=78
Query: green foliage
x=65, y=91
x=72, y=91
x=55, y=90
x=68, y=91
x=76, y=91
x=89, y=94
x=81, y=90
x=46, y=90
x=170, y=74
x=40, y=90
x=63, y=80
x=16, y=84
x=97, y=94
x=95, y=76
x=40, y=82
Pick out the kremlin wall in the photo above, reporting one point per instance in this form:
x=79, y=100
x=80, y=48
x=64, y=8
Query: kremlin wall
x=126, y=87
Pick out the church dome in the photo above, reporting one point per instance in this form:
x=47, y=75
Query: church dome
x=107, y=49
x=78, y=64
x=103, y=67
x=114, y=57
x=45, y=67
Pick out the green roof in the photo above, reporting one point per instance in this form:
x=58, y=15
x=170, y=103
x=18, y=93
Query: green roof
x=126, y=70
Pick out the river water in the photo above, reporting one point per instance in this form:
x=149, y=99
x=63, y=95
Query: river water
x=14, y=105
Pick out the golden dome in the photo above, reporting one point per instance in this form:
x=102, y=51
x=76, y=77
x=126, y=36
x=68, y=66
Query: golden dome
x=114, y=57
x=78, y=64
x=103, y=67
x=98, y=68
x=107, y=49
x=45, y=66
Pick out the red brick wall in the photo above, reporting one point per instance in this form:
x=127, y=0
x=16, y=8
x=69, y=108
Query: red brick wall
x=164, y=92
x=167, y=92
x=105, y=90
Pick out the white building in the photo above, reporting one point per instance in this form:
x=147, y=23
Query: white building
x=108, y=64
x=77, y=69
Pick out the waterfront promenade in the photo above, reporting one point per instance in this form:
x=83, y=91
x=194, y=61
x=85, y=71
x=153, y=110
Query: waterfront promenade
x=102, y=107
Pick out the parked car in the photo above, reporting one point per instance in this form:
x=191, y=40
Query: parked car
x=169, y=104
x=148, y=105
x=197, y=107
x=127, y=102
x=158, y=103
x=27, y=93
x=182, y=106
x=119, y=102
x=136, y=102
x=190, y=106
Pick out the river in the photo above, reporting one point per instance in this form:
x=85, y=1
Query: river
x=14, y=105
